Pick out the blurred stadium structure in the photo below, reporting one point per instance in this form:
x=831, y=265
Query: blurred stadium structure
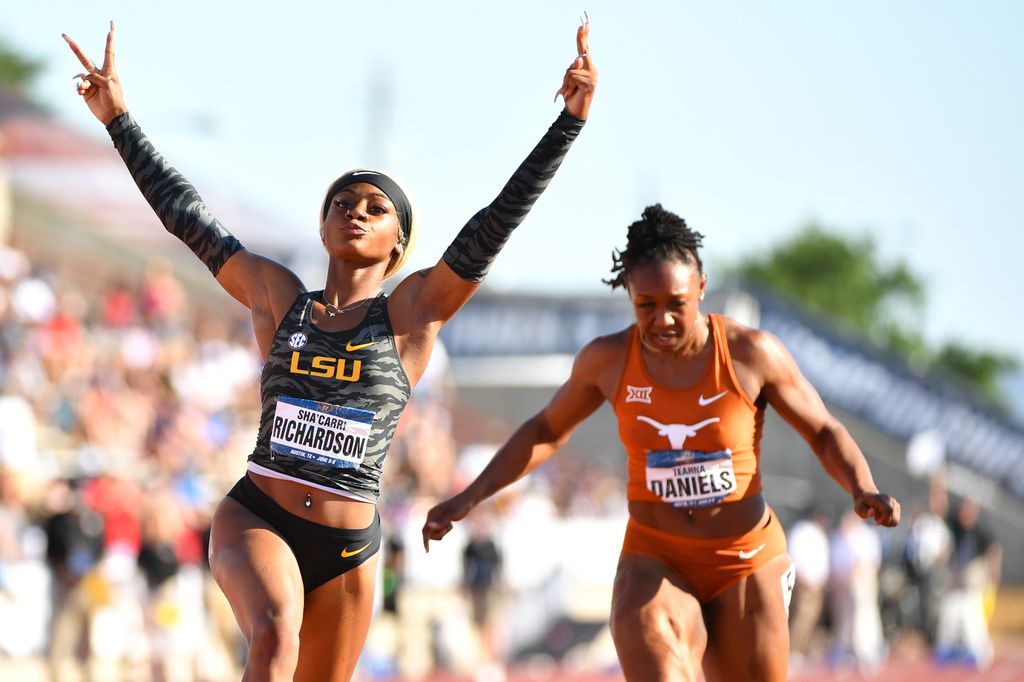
x=67, y=203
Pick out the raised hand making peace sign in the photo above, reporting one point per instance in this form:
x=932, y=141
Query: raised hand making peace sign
x=100, y=86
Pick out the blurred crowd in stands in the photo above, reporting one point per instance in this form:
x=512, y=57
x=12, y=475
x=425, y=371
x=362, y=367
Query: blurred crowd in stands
x=125, y=415
x=861, y=591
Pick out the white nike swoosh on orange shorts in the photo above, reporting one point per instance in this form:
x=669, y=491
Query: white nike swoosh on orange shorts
x=750, y=555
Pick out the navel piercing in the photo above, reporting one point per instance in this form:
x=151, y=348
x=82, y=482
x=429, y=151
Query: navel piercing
x=309, y=500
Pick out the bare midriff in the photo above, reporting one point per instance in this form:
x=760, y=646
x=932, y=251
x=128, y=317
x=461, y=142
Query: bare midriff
x=324, y=508
x=724, y=520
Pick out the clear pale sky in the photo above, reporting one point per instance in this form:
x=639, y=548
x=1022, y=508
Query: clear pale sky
x=898, y=120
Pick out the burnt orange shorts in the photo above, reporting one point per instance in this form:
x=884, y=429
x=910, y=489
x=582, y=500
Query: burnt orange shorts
x=708, y=566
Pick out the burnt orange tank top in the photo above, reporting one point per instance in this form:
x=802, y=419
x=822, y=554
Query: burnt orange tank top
x=696, y=446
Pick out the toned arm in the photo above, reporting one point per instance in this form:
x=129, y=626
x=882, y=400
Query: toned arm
x=535, y=440
x=262, y=285
x=788, y=391
x=437, y=293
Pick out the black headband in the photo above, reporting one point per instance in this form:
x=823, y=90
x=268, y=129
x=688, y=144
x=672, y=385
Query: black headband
x=385, y=184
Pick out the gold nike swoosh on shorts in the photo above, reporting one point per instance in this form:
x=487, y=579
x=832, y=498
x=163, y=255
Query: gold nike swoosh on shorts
x=346, y=554
x=349, y=347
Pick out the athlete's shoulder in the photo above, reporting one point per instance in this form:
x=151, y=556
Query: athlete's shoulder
x=600, y=362
x=602, y=355
x=745, y=340
x=751, y=346
x=608, y=348
x=734, y=329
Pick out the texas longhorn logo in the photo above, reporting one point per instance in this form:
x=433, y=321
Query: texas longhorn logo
x=677, y=433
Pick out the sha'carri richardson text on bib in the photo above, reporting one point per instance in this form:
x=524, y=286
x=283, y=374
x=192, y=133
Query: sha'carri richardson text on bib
x=690, y=478
x=329, y=435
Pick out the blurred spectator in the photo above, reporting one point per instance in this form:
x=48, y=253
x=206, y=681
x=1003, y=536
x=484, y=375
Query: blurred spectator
x=14, y=265
x=18, y=438
x=162, y=529
x=429, y=449
x=33, y=300
x=393, y=574
x=12, y=521
x=928, y=547
x=855, y=556
x=975, y=565
x=163, y=301
x=809, y=549
x=23, y=578
x=422, y=458
x=119, y=501
x=119, y=306
x=168, y=557
x=437, y=385
x=481, y=572
x=74, y=535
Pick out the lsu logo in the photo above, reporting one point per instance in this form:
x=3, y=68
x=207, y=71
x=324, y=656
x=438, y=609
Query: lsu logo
x=297, y=340
x=638, y=394
x=327, y=367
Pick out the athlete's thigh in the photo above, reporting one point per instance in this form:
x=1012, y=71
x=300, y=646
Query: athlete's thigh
x=255, y=569
x=657, y=624
x=748, y=629
x=334, y=625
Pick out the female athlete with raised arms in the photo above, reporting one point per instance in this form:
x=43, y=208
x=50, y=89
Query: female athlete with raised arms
x=294, y=544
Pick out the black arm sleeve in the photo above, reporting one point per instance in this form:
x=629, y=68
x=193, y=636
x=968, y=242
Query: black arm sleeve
x=173, y=198
x=478, y=243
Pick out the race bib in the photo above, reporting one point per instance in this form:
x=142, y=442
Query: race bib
x=690, y=478
x=325, y=434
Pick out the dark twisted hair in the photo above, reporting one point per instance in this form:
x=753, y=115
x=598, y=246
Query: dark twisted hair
x=658, y=236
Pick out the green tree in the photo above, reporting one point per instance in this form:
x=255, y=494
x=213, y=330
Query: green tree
x=17, y=73
x=984, y=369
x=844, y=278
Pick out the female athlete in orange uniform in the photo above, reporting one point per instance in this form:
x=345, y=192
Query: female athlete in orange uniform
x=703, y=578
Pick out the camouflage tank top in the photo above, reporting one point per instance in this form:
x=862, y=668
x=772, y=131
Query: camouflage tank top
x=331, y=401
